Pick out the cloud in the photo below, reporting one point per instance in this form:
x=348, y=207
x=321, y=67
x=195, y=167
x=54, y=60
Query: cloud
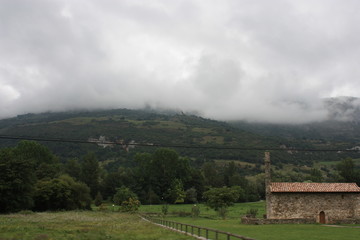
x=268, y=61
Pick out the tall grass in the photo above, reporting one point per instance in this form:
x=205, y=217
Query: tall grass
x=80, y=225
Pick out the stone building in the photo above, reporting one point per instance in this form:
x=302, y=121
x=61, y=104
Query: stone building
x=320, y=202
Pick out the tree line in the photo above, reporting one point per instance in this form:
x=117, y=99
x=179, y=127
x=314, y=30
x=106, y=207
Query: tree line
x=33, y=178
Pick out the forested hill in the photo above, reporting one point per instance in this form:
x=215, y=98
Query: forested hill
x=209, y=156
x=169, y=129
x=136, y=126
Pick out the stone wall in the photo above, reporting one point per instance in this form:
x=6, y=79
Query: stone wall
x=259, y=221
x=335, y=206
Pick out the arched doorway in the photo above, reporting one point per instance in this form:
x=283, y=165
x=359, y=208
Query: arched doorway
x=322, y=217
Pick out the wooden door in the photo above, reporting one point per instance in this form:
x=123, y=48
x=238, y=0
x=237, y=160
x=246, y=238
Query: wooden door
x=322, y=217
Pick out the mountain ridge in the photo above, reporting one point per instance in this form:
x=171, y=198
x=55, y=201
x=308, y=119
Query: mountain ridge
x=178, y=128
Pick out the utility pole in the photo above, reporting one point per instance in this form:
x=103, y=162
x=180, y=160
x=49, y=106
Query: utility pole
x=267, y=184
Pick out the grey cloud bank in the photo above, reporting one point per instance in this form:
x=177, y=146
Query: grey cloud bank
x=260, y=60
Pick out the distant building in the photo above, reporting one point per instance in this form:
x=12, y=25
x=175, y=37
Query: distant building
x=320, y=202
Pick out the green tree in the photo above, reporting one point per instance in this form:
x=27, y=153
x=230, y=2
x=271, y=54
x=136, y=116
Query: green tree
x=17, y=179
x=212, y=176
x=191, y=195
x=230, y=171
x=196, y=181
x=80, y=194
x=316, y=175
x=52, y=195
x=347, y=171
x=46, y=165
x=218, y=198
x=98, y=199
x=123, y=194
x=131, y=205
x=73, y=168
x=90, y=173
x=158, y=171
x=176, y=193
x=62, y=193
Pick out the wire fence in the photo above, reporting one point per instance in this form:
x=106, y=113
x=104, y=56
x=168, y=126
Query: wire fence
x=203, y=232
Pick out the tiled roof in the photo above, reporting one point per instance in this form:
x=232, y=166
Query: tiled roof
x=313, y=187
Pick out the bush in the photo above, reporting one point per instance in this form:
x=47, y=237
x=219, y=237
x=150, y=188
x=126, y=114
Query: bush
x=123, y=194
x=103, y=208
x=131, y=205
x=191, y=195
x=98, y=199
x=252, y=212
x=62, y=193
x=52, y=195
x=165, y=209
x=195, y=211
x=217, y=198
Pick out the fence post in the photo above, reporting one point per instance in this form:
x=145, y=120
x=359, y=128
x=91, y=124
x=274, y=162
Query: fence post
x=207, y=234
x=186, y=228
x=228, y=237
x=216, y=235
x=199, y=231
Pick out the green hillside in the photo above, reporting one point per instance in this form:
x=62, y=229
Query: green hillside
x=172, y=129
x=159, y=157
x=126, y=126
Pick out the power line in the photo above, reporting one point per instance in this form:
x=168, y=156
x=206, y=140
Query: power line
x=97, y=142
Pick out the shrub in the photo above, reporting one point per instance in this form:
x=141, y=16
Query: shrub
x=195, y=211
x=103, y=207
x=191, y=195
x=131, y=205
x=165, y=209
x=252, y=212
x=123, y=194
x=217, y=198
x=98, y=199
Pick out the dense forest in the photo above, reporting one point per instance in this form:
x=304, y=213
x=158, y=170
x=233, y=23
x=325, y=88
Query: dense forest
x=34, y=178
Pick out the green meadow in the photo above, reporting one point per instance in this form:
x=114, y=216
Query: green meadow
x=84, y=225
x=234, y=212
x=208, y=218
x=111, y=224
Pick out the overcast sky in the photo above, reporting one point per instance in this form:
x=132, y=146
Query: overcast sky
x=258, y=60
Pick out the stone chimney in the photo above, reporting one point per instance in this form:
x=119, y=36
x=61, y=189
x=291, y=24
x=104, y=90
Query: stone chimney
x=267, y=184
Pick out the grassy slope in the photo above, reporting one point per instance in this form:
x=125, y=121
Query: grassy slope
x=80, y=225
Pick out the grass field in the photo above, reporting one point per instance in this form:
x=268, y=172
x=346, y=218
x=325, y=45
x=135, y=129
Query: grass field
x=111, y=224
x=89, y=225
x=236, y=211
x=275, y=231
x=209, y=219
